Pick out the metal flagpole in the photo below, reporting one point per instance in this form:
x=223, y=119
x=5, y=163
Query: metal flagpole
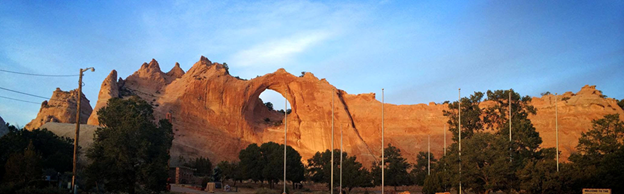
x=557, y=127
x=285, y=140
x=332, y=145
x=341, y=159
x=444, y=139
x=429, y=155
x=383, y=161
x=510, y=152
x=459, y=130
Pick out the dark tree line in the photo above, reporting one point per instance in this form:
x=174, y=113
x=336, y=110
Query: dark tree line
x=490, y=162
x=27, y=156
x=266, y=163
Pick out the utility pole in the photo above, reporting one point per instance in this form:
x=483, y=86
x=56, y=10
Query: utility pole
x=332, y=145
x=285, y=136
x=557, y=127
x=74, y=171
x=459, y=130
x=383, y=161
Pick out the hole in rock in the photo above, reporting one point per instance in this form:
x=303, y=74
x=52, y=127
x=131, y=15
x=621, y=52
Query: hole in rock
x=271, y=111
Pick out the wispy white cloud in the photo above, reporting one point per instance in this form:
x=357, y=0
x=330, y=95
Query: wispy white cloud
x=280, y=51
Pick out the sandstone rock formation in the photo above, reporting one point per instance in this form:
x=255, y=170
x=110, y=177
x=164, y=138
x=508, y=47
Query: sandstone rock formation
x=216, y=115
x=61, y=108
x=576, y=111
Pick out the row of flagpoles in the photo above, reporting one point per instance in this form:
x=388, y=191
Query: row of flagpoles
x=428, y=141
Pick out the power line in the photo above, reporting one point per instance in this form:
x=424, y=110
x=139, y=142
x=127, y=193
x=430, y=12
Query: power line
x=34, y=74
x=19, y=100
x=24, y=93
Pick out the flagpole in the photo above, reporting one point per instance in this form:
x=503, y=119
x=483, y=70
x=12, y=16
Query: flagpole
x=459, y=131
x=557, y=127
x=429, y=155
x=510, y=152
x=332, y=145
x=341, y=159
x=383, y=161
x=285, y=137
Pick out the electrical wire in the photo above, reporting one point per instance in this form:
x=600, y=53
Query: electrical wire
x=34, y=74
x=24, y=93
x=19, y=100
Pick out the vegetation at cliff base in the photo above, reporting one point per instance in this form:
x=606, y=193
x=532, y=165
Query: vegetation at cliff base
x=130, y=152
x=27, y=156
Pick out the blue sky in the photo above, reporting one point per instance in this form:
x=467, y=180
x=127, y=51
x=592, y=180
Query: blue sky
x=419, y=51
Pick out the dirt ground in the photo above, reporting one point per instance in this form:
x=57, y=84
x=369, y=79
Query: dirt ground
x=312, y=188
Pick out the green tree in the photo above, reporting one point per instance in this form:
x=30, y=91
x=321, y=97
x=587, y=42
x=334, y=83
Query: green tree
x=353, y=172
x=621, y=103
x=540, y=176
x=485, y=163
x=318, y=167
x=419, y=170
x=525, y=139
x=273, y=158
x=269, y=105
x=445, y=174
x=600, y=154
x=55, y=152
x=251, y=163
x=294, y=167
x=25, y=167
x=231, y=171
x=217, y=174
x=470, y=113
x=436, y=182
x=396, y=167
x=130, y=151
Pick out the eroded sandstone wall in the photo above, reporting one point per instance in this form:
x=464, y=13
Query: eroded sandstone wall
x=62, y=108
x=216, y=115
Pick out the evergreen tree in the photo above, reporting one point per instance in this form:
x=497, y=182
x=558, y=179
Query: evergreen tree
x=470, y=113
x=600, y=155
x=395, y=172
x=420, y=169
x=25, y=167
x=251, y=162
x=130, y=151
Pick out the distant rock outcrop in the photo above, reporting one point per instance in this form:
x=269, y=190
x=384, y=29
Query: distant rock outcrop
x=216, y=115
x=61, y=108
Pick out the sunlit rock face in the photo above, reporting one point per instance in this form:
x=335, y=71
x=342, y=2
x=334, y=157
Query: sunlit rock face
x=575, y=112
x=216, y=115
x=62, y=108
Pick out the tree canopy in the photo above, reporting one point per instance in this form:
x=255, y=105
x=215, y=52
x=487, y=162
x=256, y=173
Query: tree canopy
x=130, y=151
x=396, y=168
x=266, y=162
x=353, y=172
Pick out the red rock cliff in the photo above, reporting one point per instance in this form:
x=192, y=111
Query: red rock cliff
x=216, y=115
